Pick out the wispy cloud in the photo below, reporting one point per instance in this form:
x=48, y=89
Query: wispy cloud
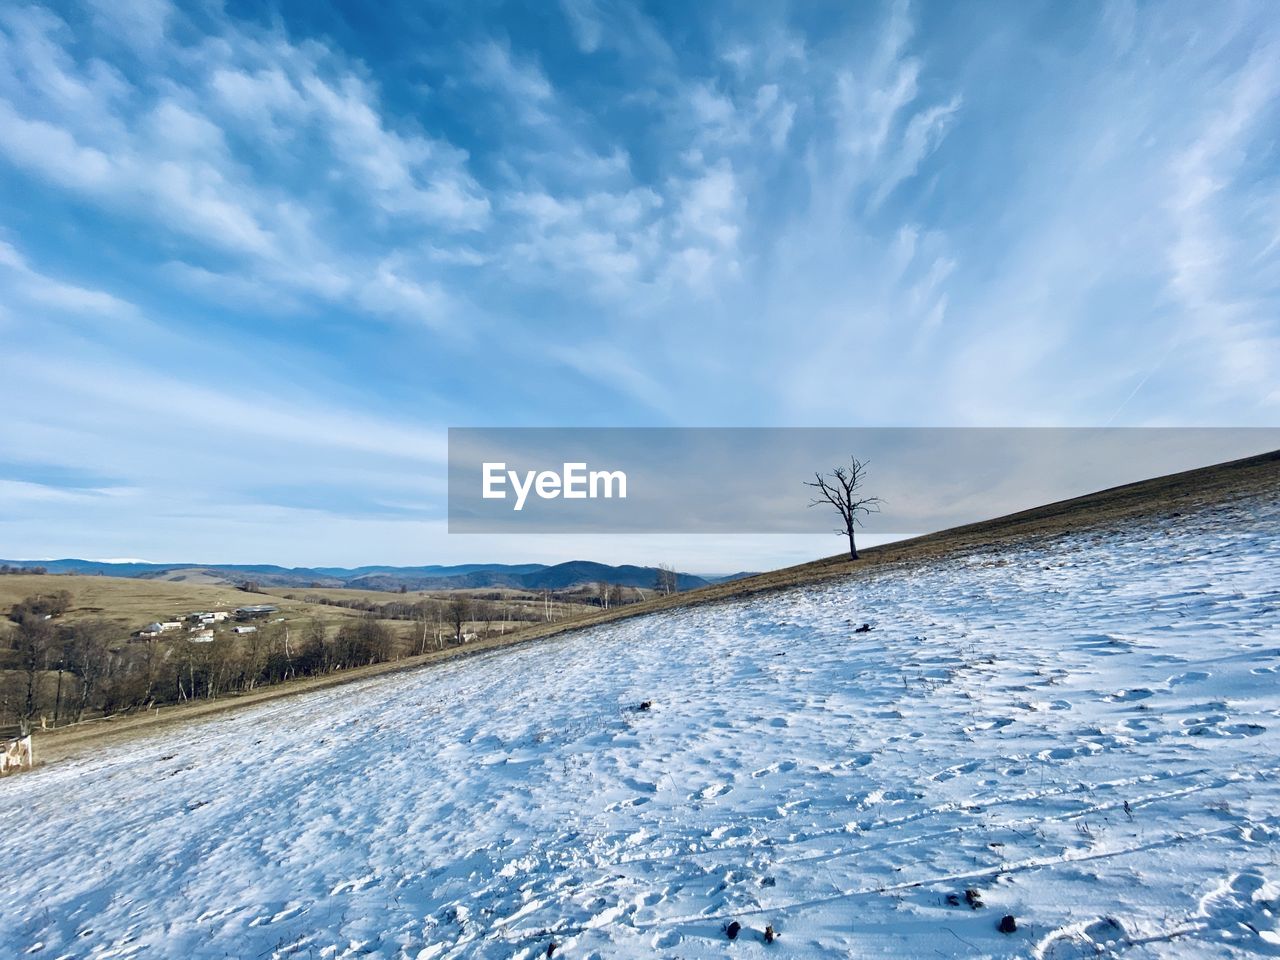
x=34, y=287
x=1222, y=257
x=258, y=266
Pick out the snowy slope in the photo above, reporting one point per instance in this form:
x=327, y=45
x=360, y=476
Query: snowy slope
x=986, y=734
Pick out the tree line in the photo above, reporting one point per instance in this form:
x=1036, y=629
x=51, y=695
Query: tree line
x=480, y=609
x=53, y=672
x=10, y=569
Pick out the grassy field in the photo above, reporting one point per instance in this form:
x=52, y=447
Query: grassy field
x=1165, y=498
x=132, y=603
x=518, y=604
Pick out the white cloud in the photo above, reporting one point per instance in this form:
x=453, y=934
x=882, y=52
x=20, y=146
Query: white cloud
x=203, y=435
x=17, y=494
x=924, y=131
x=140, y=23
x=409, y=175
x=1219, y=245
x=169, y=161
x=524, y=83
x=390, y=292
x=610, y=366
x=41, y=290
x=619, y=26
x=708, y=209
x=584, y=19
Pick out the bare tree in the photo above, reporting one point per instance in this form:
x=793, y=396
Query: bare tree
x=255, y=653
x=422, y=617
x=88, y=654
x=840, y=488
x=34, y=643
x=459, y=614
x=666, y=581
x=315, y=655
x=486, y=613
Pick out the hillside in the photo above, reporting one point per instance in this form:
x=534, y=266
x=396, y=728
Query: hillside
x=1067, y=718
x=1167, y=500
x=132, y=602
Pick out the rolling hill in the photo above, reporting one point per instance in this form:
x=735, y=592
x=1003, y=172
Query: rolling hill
x=529, y=576
x=1056, y=737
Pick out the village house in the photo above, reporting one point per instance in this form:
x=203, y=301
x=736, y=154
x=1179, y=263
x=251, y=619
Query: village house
x=209, y=618
x=159, y=627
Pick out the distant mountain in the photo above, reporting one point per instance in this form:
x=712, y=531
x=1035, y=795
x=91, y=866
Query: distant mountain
x=574, y=572
x=726, y=577
x=527, y=576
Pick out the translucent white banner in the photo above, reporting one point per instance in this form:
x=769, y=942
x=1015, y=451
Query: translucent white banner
x=752, y=480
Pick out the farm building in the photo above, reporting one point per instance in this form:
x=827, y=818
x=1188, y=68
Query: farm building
x=155, y=629
x=253, y=611
x=215, y=617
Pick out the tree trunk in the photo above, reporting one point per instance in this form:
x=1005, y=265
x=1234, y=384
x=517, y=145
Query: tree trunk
x=853, y=549
x=33, y=678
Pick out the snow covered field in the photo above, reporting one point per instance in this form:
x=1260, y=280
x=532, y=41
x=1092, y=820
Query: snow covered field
x=986, y=734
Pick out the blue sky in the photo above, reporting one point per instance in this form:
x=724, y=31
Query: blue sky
x=254, y=260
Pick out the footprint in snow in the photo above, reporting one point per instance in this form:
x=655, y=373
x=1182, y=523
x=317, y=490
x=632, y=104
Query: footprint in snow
x=626, y=804
x=1191, y=676
x=951, y=772
x=1212, y=728
x=284, y=913
x=351, y=886
x=1244, y=900
x=1067, y=753
x=1128, y=696
x=1081, y=939
x=985, y=726
x=786, y=766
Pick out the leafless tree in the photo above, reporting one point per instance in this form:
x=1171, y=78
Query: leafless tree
x=840, y=489
x=254, y=653
x=34, y=643
x=459, y=614
x=88, y=654
x=666, y=581
x=422, y=617
x=486, y=612
x=315, y=656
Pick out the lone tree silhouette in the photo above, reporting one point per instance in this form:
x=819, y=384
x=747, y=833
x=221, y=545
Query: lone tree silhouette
x=839, y=488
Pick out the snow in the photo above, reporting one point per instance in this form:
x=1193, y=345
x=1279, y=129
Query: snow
x=987, y=734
